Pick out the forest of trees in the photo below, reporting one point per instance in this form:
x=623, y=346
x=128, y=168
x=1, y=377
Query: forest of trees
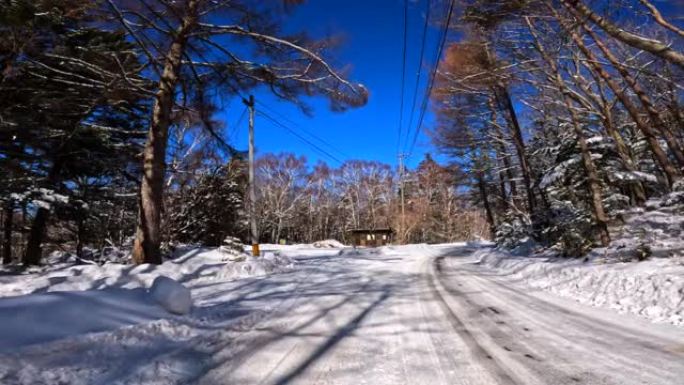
x=557, y=114
x=302, y=205
x=108, y=137
x=563, y=112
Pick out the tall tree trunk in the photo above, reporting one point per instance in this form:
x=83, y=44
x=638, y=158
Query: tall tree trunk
x=479, y=175
x=80, y=233
x=279, y=228
x=503, y=156
x=7, y=233
x=653, y=46
x=505, y=101
x=34, y=249
x=148, y=234
x=589, y=166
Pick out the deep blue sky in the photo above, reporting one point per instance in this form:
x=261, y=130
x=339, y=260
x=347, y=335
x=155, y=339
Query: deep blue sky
x=372, y=46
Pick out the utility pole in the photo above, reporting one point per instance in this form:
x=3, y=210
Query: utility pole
x=252, y=190
x=401, y=193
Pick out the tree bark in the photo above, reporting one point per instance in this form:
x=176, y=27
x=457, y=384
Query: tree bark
x=504, y=98
x=504, y=158
x=589, y=166
x=485, y=201
x=34, y=251
x=148, y=234
x=653, y=46
x=7, y=233
x=34, y=248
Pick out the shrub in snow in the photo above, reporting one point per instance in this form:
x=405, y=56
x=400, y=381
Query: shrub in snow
x=171, y=295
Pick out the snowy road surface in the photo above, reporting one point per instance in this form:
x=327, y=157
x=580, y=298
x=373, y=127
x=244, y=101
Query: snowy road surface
x=411, y=315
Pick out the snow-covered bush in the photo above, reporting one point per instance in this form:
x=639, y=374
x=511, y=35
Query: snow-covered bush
x=513, y=231
x=207, y=211
x=570, y=229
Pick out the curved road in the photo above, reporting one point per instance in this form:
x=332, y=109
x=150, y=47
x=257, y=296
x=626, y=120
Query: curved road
x=433, y=316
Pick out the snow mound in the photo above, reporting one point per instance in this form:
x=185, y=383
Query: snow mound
x=329, y=243
x=653, y=289
x=257, y=266
x=171, y=295
x=41, y=318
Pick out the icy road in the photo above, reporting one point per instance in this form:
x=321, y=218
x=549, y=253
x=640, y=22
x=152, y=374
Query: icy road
x=432, y=317
x=410, y=315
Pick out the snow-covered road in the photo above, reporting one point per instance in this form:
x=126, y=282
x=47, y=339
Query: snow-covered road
x=406, y=315
x=433, y=317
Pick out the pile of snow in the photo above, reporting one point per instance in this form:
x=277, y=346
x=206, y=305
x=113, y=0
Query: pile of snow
x=73, y=297
x=653, y=289
x=190, y=264
x=329, y=243
x=640, y=272
x=171, y=295
x=40, y=318
x=268, y=263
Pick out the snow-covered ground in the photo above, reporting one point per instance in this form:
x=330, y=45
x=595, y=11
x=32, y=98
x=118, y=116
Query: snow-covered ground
x=328, y=314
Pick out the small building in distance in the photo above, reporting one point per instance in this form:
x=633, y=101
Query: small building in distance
x=371, y=237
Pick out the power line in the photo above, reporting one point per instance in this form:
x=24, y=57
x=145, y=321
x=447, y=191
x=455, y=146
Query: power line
x=403, y=76
x=420, y=65
x=311, y=134
x=300, y=137
x=236, y=126
x=428, y=92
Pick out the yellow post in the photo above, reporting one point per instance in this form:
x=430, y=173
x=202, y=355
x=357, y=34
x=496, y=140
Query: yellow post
x=255, y=250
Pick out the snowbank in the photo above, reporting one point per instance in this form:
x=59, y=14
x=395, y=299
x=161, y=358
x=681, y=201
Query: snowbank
x=71, y=298
x=188, y=265
x=40, y=318
x=329, y=243
x=640, y=272
x=653, y=289
x=257, y=266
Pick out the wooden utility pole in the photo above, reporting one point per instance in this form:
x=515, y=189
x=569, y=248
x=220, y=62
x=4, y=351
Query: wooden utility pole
x=401, y=193
x=252, y=190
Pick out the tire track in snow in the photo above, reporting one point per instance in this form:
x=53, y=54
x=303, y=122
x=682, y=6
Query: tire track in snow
x=487, y=360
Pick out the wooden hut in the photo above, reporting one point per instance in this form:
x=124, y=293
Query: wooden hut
x=371, y=237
